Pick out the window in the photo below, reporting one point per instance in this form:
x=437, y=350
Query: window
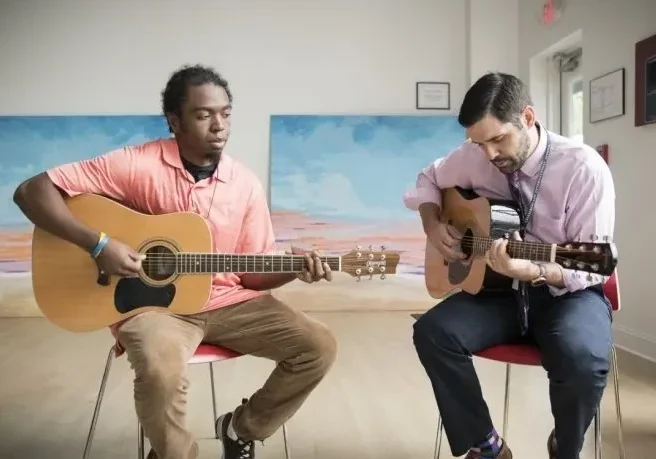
x=575, y=116
x=571, y=95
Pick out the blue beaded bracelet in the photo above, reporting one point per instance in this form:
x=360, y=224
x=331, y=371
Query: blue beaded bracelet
x=102, y=242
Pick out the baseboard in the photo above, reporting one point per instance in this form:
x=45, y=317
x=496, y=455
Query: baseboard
x=636, y=343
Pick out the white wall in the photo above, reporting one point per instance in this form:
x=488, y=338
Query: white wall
x=494, y=26
x=283, y=56
x=609, y=32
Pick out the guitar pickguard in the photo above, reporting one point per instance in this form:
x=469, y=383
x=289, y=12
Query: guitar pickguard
x=132, y=293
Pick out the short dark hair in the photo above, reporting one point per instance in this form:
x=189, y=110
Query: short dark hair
x=175, y=92
x=498, y=94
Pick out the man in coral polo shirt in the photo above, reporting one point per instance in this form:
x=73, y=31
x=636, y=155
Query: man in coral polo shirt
x=191, y=173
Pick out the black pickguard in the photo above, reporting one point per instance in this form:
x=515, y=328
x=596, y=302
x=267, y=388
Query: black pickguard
x=132, y=293
x=505, y=219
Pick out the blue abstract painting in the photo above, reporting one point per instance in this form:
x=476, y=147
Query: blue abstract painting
x=32, y=144
x=338, y=181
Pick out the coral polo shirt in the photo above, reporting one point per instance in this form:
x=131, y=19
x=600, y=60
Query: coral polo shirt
x=151, y=179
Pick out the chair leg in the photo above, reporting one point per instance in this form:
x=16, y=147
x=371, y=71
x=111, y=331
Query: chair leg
x=597, y=433
x=285, y=440
x=216, y=433
x=618, y=408
x=140, y=441
x=506, y=403
x=99, y=399
x=438, y=437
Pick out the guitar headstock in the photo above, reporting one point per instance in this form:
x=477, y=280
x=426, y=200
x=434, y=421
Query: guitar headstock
x=592, y=257
x=360, y=262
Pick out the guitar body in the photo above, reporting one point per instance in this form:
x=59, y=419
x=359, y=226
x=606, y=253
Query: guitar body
x=472, y=215
x=73, y=294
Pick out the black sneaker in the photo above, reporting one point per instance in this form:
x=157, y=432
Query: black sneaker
x=552, y=447
x=233, y=449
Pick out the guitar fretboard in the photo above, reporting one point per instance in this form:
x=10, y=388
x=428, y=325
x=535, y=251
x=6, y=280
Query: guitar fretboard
x=534, y=251
x=207, y=263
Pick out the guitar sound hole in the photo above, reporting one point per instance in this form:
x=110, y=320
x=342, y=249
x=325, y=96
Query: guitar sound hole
x=467, y=244
x=160, y=263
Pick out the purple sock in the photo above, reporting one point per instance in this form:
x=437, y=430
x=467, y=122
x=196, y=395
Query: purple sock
x=490, y=447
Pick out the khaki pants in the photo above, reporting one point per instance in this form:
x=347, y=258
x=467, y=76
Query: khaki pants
x=158, y=347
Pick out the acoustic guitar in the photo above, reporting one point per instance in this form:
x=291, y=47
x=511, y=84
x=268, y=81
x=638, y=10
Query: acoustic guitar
x=176, y=276
x=481, y=221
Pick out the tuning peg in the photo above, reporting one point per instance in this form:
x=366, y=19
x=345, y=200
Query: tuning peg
x=358, y=278
x=593, y=237
x=358, y=247
x=382, y=248
x=589, y=277
x=371, y=248
x=382, y=276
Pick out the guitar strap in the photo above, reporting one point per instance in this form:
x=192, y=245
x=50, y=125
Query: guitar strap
x=520, y=289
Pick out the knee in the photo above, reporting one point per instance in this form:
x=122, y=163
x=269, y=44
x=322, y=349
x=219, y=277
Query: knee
x=321, y=347
x=161, y=372
x=429, y=331
x=581, y=365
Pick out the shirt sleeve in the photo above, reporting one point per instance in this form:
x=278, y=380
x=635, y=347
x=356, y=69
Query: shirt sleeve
x=257, y=229
x=111, y=175
x=445, y=172
x=591, y=213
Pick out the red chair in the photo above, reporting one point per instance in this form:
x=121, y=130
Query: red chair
x=204, y=354
x=526, y=354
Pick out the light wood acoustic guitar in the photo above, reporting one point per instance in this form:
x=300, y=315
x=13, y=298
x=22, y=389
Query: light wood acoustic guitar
x=176, y=276
x=481, y=221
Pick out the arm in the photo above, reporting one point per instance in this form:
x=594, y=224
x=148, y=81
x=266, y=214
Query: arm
x=41, y=198
x=450, y=171
x=257, y=237
x=591, y=212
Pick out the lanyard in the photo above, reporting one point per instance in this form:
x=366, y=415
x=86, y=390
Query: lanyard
x=515, y=190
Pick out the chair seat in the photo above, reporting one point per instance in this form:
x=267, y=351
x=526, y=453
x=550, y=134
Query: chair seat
x=519, y=354
x=206, y=353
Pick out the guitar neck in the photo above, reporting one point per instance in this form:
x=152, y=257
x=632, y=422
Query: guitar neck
x=525, y=250
x=212, y=263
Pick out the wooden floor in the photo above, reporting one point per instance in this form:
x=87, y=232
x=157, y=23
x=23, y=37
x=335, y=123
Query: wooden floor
x=376, y=403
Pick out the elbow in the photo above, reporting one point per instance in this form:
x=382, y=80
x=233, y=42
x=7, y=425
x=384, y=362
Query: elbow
x=29, y=190
x=22, y=192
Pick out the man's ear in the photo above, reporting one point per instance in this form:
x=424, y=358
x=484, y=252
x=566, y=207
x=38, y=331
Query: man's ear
x=528, y=116
x=174, y=122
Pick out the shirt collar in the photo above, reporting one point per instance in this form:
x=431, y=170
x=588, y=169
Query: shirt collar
x=171, y=154
x=532, y=164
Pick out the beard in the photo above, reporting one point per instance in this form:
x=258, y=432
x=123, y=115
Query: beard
x=213, y=154
x=513, y=163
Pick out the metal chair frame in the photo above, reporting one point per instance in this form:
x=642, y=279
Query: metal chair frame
x=140, y=432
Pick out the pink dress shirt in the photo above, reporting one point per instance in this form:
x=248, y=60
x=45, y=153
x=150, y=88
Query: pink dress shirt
x=576, y=201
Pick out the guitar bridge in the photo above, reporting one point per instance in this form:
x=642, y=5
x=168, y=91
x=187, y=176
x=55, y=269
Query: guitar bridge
x=103, y=278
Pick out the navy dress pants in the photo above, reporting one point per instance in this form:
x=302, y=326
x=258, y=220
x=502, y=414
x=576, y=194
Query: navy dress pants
x=572, y=331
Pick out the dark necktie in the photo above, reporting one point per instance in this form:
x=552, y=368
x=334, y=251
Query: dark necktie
x=521, y=293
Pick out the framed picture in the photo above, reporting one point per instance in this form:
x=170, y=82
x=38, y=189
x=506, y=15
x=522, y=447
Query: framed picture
x=433, y=95
x=607, y=96
x=645, y=81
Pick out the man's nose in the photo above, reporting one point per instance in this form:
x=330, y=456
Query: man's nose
x=218, y=124
x=490, y=152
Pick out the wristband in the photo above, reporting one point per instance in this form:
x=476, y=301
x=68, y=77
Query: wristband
x=102, y=242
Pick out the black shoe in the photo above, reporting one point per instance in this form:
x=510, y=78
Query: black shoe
x=551, y=445
x=233, y=449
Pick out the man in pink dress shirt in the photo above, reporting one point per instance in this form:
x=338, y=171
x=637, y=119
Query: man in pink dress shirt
x=192, y=173
x=568, y=316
